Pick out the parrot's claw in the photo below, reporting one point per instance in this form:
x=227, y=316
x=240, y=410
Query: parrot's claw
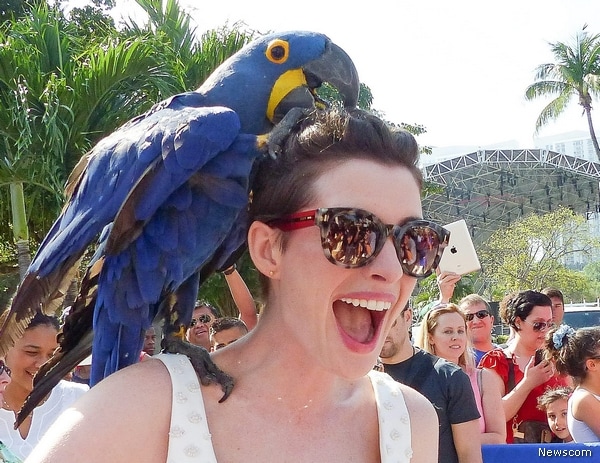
x=207, y=371
x=282, y=129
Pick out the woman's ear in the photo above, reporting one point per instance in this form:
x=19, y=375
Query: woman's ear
x=430, y=340
x=264, y=247
x=591, y=364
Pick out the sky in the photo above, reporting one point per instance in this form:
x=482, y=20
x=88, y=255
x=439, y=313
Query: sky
x=459, y=68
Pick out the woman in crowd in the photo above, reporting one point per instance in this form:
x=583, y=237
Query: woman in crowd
x=577, y=354
x=444, y=333
x=518, y=377
x=24, y=359
x=303, y=375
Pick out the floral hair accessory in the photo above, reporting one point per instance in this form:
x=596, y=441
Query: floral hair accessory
x=559, y=335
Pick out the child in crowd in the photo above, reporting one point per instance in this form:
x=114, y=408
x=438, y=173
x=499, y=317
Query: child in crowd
x=577, y=353
x=554, y=403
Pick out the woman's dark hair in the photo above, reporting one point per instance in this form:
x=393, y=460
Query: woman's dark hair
x=321, y=140
x=571, y=348
x=520, y=304
x=40, y=319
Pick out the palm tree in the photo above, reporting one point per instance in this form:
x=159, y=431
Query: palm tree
x=58, y=95
x=575, y=73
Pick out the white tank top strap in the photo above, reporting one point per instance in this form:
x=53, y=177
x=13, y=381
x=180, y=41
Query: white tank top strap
x=394, y=420
x=189, y=436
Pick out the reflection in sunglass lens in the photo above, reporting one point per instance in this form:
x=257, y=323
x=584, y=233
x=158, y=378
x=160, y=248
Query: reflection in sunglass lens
x=481, y=314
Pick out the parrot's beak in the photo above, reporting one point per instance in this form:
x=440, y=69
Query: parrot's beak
x=337, y=69
x=334, y=67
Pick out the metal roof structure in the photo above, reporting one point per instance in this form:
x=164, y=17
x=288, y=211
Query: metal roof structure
x=492, y=188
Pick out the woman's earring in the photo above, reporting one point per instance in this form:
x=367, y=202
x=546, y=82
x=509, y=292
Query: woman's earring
x=271, y=273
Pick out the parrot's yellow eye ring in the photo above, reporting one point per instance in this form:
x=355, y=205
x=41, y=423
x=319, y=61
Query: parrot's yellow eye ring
x=278, y=51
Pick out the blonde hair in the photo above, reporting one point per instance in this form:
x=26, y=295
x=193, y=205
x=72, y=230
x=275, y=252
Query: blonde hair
x=428, y=326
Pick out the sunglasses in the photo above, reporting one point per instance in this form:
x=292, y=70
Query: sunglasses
x=540, y=326
x=4, y=368
x=352, y=238
x=481, y=314
x=204, y=318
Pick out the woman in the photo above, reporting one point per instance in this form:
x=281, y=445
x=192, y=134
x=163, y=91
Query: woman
x=444, y=333
x=577, y=354
x=303, y=374
x=24, y=359
x=517, y=376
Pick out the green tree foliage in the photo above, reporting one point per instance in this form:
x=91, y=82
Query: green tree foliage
x=529, y=254
x=575, y=74
x=11, y=10
x=92, y=20
x=59, y=93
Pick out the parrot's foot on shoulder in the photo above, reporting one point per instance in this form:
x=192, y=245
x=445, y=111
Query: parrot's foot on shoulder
x=207, y=371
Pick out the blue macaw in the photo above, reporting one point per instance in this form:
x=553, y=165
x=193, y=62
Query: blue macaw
x=167, y=195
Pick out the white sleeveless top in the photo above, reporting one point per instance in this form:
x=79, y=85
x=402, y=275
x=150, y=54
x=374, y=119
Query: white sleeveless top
x=580, y=431
x=190, y=439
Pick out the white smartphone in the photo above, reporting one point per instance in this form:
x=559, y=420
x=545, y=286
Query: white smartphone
x=460, y=255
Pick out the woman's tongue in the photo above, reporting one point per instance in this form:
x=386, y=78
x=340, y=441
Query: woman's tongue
x=356, y=322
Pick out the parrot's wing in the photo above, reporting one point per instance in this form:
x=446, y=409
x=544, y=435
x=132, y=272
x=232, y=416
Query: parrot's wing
x=105, y=180
x=169, y=227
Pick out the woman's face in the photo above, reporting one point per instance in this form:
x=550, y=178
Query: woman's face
x=338, y=315
x=29, y=353
x=449, y=337
x=533, y=328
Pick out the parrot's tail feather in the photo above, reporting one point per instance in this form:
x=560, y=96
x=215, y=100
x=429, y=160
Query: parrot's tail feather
x=75, y=343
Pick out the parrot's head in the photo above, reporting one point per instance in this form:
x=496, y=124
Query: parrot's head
x=278, y=72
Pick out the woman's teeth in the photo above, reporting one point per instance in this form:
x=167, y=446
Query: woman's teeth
x=368, y=304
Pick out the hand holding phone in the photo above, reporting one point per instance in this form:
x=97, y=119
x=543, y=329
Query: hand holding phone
x=539, y=356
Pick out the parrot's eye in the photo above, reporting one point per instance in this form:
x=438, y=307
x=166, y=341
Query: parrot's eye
x=278, y=51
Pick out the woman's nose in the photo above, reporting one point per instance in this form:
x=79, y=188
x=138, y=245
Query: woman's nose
x=387, y=265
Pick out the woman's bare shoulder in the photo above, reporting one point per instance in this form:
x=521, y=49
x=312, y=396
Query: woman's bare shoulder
x=416, y=403
x=126, y=414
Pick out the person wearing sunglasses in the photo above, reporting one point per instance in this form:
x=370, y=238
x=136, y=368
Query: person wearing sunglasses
x=519, y=376
x=480, y=324
x=198, y=332
x=328, y=217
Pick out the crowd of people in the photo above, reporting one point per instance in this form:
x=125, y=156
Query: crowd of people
x=305, y=370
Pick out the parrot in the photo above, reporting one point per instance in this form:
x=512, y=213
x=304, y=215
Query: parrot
x=163, y=203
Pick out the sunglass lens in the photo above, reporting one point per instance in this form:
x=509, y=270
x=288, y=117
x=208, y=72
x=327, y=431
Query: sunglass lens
x=417, y=250
x=204, y=318
x=482, y=314
x=350, y=238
